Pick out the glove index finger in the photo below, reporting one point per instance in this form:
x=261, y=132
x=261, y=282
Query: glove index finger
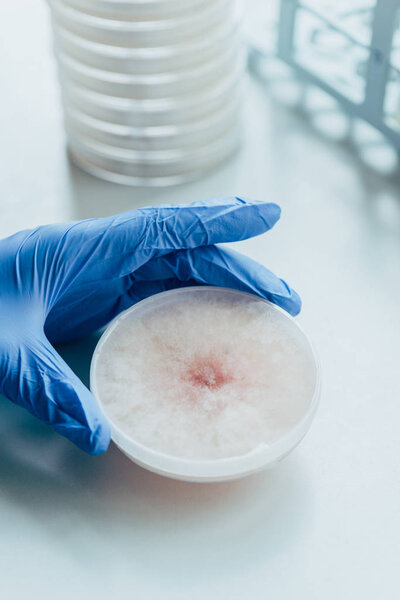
x=116, y=246
x=227, y=219
x=135, y=237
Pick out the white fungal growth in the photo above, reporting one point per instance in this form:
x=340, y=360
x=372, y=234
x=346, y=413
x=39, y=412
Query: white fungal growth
x=205, y=377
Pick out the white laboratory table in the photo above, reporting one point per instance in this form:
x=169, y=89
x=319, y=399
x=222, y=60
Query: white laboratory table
x=326, y=523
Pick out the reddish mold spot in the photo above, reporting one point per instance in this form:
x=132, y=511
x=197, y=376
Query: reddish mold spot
x=207, y=372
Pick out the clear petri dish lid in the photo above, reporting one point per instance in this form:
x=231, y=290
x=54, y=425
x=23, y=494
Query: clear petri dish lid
x=160, y=85
x=95, y=168
x=219, y=469
x=141, y=33
x=145, y=60
x=137, y=9
x=152, y=169
x=186, y=135
x=170, y=157
x=152, y=112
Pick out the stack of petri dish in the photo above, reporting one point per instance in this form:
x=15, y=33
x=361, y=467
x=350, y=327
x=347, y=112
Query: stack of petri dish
x=150, y=88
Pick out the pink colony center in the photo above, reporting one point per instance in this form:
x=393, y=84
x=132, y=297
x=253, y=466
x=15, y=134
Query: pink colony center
x=207, y=372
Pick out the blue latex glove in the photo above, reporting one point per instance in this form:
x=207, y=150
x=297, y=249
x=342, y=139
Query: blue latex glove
x=59, y=282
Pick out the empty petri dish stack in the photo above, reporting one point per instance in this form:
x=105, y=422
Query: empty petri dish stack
x=150, y=88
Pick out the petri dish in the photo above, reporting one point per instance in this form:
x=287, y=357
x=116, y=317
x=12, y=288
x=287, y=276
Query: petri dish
x=152, y=112
x=97, y=170
x=159, y=85
x=187, y=135
x=159, y=59
x=145, y=32
x=220, y=385
x=151, y=168
x=134, y=9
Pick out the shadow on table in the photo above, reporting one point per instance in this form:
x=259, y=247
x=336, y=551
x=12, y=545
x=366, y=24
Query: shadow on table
x=91, y=196
x=108, y=500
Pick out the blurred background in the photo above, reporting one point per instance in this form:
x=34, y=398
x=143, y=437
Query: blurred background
x=293, y=102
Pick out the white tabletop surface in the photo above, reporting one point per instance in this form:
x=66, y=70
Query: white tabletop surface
x=326, y=523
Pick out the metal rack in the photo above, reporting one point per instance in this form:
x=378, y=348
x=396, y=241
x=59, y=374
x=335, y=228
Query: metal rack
x=367, y=34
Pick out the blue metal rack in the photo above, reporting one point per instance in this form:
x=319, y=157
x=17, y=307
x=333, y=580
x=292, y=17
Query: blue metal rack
x=373, y=42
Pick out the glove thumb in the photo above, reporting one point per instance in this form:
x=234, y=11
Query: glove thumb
x=37, y=378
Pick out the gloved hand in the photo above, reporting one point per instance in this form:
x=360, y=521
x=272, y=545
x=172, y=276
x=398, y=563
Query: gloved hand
x=60, y=282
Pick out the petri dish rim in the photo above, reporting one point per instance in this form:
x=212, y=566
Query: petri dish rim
x=74, y=15
x=70, y=64
x=152, y=157
x=225, y=85
x=133, y=7
x=151, y=181
x=147, y=53
x=156, y=131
